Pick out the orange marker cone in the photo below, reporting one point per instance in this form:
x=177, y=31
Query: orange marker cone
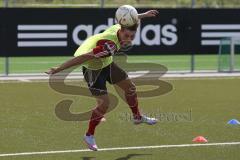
x=200, y=139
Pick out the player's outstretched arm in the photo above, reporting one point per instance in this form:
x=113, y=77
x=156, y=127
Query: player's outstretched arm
x=72, y=62
x=150, y=13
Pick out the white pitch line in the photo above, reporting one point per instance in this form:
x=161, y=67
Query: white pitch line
x=24, y=80
x=120, y=148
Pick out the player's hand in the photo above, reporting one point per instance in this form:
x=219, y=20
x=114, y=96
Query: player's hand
x=52, y=71
x=151, y=13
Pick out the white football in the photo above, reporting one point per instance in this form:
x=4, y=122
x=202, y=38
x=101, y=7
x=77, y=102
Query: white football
x=127, y=16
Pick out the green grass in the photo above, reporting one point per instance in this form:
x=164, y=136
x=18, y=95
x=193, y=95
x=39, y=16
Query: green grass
x=28, y=122
x=237, y=62
x=173, y=63
x=2, y=65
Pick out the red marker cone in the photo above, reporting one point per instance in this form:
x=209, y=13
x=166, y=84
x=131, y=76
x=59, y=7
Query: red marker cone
x=200, y=139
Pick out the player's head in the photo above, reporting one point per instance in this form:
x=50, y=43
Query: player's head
x=128, y=33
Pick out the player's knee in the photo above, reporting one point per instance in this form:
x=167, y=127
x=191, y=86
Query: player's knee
x=103, y=104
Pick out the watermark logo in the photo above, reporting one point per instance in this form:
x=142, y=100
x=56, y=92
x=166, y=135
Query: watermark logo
x=62, y=108
x=162, y=116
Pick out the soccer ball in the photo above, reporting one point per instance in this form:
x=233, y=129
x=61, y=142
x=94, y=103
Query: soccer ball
x=127, y=16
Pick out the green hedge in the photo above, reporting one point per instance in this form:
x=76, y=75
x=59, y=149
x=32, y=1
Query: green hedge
x=115, y=3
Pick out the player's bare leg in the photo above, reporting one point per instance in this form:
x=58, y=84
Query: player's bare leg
x=97, y=114
x=131, y=98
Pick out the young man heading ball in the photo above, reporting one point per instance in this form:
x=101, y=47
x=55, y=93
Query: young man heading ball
x=95, y=55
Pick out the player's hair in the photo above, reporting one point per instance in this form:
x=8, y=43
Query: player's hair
x=131, y=28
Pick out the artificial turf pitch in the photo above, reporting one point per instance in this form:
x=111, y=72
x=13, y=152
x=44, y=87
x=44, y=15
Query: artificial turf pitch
x=172, y=62
x=201, y=107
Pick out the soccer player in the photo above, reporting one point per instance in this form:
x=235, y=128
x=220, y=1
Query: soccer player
x=95, y=54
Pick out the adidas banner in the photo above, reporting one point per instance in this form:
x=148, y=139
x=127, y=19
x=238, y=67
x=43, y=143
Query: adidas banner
x=59, y=32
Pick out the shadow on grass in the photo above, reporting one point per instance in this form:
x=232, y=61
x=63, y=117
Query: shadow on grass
x=129, y=156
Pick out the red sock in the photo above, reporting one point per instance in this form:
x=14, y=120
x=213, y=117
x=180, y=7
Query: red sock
x=133, y=104
x=96, y=117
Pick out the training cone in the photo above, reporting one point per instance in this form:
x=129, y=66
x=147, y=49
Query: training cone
x=234, y=122
x=200, y=139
